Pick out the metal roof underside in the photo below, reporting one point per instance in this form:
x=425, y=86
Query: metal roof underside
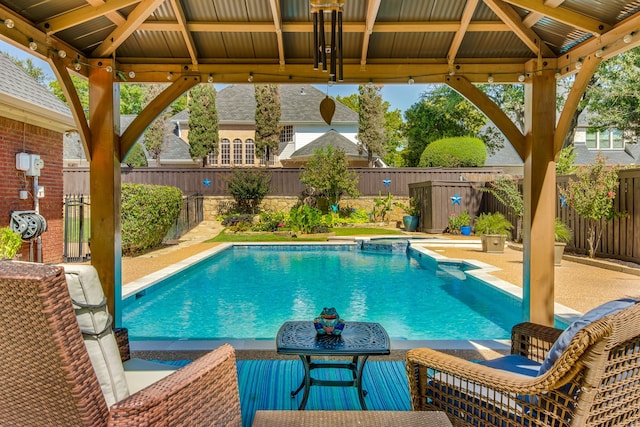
x=385, y=41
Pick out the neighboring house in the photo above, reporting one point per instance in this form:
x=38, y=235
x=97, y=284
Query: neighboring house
x=32, y=121
x=587, y=146
x=300, y=120
x=301, y=124
x=175, y=151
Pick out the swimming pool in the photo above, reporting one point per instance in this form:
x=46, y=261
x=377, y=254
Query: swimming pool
x=248, y=291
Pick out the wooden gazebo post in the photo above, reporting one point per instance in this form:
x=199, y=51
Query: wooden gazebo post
x=104, y=123
x=539, y=197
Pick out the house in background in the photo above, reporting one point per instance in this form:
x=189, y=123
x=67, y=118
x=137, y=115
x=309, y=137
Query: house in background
x=301, y=122
x=175, y=151
x=300, y=119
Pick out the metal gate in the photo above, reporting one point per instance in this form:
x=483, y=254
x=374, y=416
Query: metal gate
x=77, y=228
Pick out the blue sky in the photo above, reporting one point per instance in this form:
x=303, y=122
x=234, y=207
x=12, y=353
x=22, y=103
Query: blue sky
x=400, y=96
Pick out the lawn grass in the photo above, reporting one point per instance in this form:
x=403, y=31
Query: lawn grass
x=229, y=236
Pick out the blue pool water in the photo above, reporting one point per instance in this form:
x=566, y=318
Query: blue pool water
x=247, y=292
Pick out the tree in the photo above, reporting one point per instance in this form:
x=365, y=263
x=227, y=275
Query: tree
x=267, y=120
x=136, y=156
x=393, y=129
x=592, y=194
x=154, y=134
x=328, y=174
x=440, y=113
x=132, y=98
x=613, y=98
x=30, y=67
x=371, y=120
x=203, y=122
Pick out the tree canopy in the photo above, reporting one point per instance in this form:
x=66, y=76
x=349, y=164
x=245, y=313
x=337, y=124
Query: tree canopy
x=203, y=122
x=442, y=112
x=267, y=118
x=371, y=120
x=393, y=129
x=327, y=172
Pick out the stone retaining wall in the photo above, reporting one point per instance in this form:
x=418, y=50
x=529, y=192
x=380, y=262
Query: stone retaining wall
x=216, y=205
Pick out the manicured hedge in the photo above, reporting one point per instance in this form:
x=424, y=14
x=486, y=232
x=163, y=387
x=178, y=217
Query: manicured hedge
x=148, y=212
x=455, y=152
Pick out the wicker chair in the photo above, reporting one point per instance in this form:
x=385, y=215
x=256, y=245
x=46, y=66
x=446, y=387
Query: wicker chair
x=47, y=377
x=594, y=382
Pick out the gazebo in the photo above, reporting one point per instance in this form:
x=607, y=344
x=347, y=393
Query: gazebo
x=456, y=42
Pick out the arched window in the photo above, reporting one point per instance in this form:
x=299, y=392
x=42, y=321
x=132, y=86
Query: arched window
x=249, y=152
x=237, y=151
x=225, y=147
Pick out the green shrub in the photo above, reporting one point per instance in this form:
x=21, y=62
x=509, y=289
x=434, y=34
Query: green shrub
x=457, y=221
x=561, y=232
x=270, y=221
x=455, y=152
x=10, y=243
x=492, y=223
x=248, y=188
x=305, y=219
x=327, y=173
x=242, y=221
x=148, y=212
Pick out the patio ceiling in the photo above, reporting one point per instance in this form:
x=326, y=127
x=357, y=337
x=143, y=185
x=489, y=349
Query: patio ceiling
x=385, y=41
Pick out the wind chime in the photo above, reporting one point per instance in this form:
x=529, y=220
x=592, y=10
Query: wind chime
x=318, y=9
x=321, y=49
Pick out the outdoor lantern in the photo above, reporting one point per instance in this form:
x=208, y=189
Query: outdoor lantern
x=320, y=50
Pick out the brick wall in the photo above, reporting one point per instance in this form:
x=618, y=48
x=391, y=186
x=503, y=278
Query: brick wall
x=16, y=137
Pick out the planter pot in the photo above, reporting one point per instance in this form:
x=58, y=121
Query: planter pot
x=410, y=222
x=493, y=243
x=558, y=250
x=465, y=230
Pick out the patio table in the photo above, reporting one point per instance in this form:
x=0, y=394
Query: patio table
x=358, y=340
x=350, y=418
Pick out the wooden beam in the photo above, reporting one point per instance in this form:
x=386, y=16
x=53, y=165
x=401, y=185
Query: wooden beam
x=465, y=20
x=533, y=17
x=372, y=11
x=104, y=184
x=83, y=14
x=491, y=110
x=77, y=111
x=120, y=34
x=24, y=31
x=612, y=41
x=527, y=35
x=115, y=17
x=277, y=22
x=307, y=27
x=151, y=111
x=539, y=199
x=566, y=16
x=186, y=34
x=589, y=67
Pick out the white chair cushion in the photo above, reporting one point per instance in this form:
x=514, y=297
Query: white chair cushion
x=142, y=373
x=93, y=317
x=565, y=338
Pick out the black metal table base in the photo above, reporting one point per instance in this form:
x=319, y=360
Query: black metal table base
x=356, y=367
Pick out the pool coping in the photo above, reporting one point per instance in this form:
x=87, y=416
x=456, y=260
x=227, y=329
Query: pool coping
x=481, y=271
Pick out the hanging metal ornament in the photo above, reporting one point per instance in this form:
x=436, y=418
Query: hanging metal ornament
x=320, y=50
x=327, y=108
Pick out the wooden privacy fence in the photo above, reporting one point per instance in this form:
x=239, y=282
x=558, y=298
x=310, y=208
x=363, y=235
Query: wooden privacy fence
x=284, y=182
x=619, y=237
